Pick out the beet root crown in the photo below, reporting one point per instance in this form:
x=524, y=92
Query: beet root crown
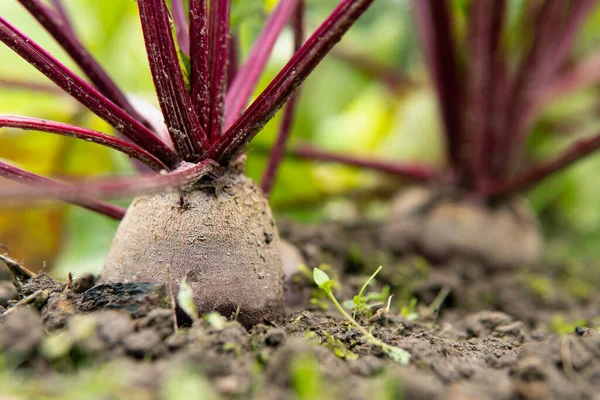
x=208, y=121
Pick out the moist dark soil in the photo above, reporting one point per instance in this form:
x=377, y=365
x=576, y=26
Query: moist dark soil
x=472, y=332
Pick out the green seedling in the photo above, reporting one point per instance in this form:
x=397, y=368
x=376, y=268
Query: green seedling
x=318, y=298
x=185, y=299
x=359, y=303
x=215, y=320
x=410, y=311
x=325, y=283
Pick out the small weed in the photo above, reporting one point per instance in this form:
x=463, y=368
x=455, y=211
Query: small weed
x=186, y=300
x=359, y=303
x=410, y=311
x=318, y=298
x=215, y=320
x=326, y=284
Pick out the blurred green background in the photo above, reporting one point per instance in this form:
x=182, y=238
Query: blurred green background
x=341, y=109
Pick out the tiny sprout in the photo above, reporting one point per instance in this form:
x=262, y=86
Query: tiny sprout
x=359, y=304
x=325, y=283
x=186, y=300
x=215, y=320
x=321, y=279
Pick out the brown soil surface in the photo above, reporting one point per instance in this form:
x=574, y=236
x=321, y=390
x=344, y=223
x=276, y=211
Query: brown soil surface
x=472, y=334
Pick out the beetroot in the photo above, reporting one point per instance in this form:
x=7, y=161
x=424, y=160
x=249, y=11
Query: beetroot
x=489, y=92
x=228, y=253
x=200, y=219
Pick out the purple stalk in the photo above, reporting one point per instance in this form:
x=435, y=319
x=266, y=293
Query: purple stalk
x=486, y=26
x=233, y=65
x=581, y=75
x=393, y=79
x=181, y=26
x=19, y=175
x=487, y=142
x=35, y=55
x=574, y=153
x=413, y=171
x=575, y=19
x=29, y=85
x=183, y=176
x=248, y=76
x=547, y=54
x=60, y=29
x=188, y=136
x=77, y=132
x=218, y=48
x=435, y=26
x=285, y=83
x=62, y=12
x=199, y=60
x=277, y=152
x=477, y=86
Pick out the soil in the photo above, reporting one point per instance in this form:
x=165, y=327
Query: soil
x=472, y=333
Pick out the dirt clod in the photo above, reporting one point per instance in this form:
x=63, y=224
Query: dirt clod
x=136, y=298
x=20, y=333
x=8, y=293
x=114, y=326
x=42, y=281
x=145, y=343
